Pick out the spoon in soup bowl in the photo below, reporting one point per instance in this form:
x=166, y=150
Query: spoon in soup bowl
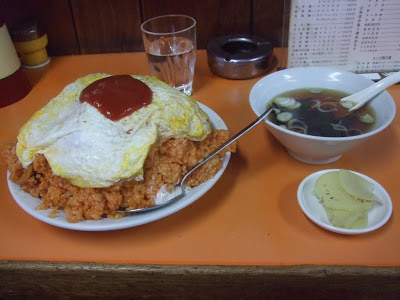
x=180, y=188
x=357, y=100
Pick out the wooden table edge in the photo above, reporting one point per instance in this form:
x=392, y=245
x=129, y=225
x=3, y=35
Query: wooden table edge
x=92, y=279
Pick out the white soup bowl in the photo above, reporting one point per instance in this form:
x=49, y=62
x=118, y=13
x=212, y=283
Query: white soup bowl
x=315, y=149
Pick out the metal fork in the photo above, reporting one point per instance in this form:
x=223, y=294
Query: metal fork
x=180, y=186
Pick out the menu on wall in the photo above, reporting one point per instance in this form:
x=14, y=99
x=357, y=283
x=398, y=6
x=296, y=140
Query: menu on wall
x=361, y=36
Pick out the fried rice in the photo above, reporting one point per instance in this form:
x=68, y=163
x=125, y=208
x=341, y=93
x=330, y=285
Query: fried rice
x=165, y=164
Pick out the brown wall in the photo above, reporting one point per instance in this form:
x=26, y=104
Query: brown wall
x=104, y=26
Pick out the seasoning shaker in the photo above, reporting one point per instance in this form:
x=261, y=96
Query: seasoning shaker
x=30, y=41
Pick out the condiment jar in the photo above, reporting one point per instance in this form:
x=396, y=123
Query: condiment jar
x=30, y=41
x=13, y=83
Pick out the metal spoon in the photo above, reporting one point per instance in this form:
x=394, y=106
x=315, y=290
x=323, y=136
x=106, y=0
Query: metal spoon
x=180, y=186
x=360, y=98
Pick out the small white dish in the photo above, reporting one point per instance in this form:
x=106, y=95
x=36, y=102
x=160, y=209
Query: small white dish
x=315, y=211
x=29, y=203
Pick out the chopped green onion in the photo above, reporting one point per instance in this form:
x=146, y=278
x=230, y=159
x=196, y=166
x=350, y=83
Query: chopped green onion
x=297, y=104
x=353, y=132
x=366, y=118
x=276, y=110
x=297, y=123
x=298, y=129
x=327, y=107
x=284, y=117
x=286, y=102
x=315, y=103
x=315, y=91
x=338, y=127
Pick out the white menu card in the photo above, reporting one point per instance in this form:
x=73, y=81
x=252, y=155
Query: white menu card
x=361, y=36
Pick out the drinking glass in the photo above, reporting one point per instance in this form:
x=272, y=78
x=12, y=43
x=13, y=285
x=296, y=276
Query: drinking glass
x=170, y=45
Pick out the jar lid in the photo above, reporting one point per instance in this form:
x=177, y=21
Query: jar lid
x=27, y=31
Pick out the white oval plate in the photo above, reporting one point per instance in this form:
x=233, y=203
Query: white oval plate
x=315, y=211
x=29, y=203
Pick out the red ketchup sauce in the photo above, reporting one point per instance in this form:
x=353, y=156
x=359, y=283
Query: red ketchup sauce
x=117, y=96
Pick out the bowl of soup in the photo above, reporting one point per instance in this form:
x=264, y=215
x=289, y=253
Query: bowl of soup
x=307, y=117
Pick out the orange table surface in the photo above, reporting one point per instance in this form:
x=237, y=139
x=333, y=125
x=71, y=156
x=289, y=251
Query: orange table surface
x=250, y=217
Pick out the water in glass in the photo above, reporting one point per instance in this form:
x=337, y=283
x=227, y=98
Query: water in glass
x=172, y=60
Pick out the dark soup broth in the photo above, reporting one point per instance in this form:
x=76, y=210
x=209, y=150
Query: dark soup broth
x=318, y=112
